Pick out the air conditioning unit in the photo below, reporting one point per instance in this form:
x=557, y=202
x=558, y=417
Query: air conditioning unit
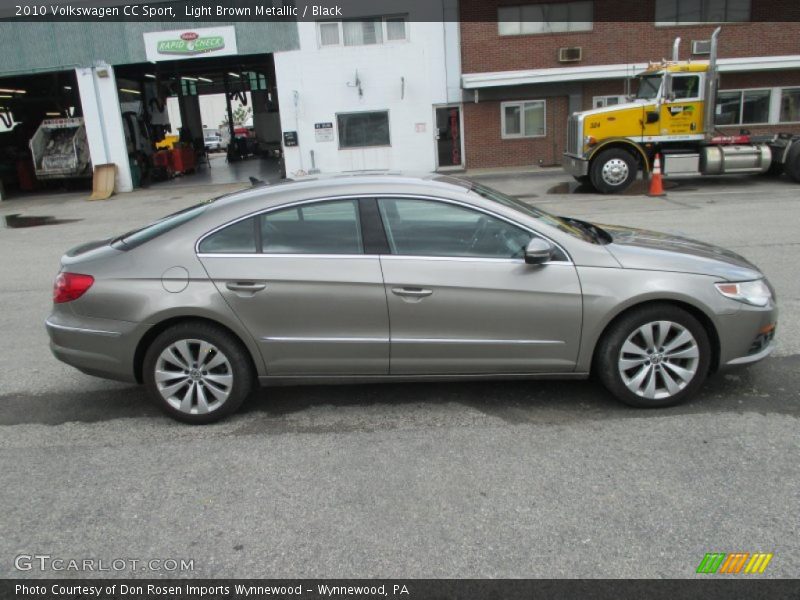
x=701, y=46
x=573, y=54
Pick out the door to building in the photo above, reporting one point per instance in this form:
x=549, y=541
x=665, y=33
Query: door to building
x=448, y=137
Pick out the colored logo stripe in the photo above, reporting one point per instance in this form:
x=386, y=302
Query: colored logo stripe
x=720, y=562
x=711, y=562
x=758, y=563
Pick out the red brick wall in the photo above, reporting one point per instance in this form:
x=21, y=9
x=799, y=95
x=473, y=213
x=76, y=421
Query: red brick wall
x=485, y=147
x=483, y=50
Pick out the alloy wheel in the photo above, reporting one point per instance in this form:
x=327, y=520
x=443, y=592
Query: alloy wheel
x=659, y=359
x=193, y=376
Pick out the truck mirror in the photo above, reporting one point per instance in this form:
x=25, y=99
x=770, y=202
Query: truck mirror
x=652, y=117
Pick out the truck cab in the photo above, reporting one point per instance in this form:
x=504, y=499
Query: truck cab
x=670, y=116
x=668, y=108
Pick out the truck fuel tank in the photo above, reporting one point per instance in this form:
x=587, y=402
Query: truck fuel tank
x=724, y=159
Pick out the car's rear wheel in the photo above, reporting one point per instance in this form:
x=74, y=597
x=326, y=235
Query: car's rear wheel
x=655, y=356
x=197, y=372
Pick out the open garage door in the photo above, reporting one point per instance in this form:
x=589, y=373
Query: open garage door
x=212, y=121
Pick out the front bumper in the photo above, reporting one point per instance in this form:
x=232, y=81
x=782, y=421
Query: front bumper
x=575, y=165
x=747, y=336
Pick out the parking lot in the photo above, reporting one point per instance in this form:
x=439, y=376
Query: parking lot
x=510, y=479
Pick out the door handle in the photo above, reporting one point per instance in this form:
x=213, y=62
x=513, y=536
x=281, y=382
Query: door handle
x=246, y=286
x=411, y=292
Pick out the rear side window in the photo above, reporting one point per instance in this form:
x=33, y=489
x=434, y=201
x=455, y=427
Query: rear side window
x=320, y=228
x=239, y=238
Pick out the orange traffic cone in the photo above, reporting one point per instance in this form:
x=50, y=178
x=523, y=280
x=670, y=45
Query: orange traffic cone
x=656, y=185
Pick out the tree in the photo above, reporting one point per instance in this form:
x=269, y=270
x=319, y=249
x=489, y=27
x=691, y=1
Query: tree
x=240, y=116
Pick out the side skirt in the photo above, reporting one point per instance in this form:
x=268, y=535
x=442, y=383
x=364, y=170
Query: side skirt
x=365, y=379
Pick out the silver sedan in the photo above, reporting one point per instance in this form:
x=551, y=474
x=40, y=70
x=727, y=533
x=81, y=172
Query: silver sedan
x=392, y=278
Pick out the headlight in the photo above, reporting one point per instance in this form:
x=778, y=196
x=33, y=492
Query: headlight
x=755, y=292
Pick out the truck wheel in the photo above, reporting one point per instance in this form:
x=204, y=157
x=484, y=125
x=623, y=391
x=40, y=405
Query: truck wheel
x=792, y=164
x=613, y=171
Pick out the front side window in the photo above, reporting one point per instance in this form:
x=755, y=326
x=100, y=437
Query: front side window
x=319, y=228
x=523, y=119
x=431, y=228
x=363, y=129
x=686, y=86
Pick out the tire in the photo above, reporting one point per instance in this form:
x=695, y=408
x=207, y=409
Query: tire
x=626, y=364
x=613, y=171
x=792, y=164
x=176, y=380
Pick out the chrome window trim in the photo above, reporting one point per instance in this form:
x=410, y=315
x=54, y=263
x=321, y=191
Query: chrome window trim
x=357, y=197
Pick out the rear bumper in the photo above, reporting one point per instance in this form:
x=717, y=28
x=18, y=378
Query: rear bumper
x=103, y=349
x=575, y=165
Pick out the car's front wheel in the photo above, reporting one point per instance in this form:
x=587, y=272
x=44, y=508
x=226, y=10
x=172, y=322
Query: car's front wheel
x=654, y=356
x=197, y=372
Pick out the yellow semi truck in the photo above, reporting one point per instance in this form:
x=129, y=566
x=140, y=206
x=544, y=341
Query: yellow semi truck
x=672, y=115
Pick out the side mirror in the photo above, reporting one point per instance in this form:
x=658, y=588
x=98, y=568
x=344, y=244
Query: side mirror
x=538, y=251
x=652, y=117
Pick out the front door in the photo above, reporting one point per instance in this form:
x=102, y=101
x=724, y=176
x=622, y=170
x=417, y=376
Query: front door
x=448, y=136
x=462, y=300
x=299, y=280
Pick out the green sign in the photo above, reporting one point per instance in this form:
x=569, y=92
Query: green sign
x=188, y=47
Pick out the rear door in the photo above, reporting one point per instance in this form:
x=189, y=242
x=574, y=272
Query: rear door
x=301, y=282
x=462, y=300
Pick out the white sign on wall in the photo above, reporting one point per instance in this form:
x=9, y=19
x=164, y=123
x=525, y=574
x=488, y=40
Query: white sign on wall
x=323, y=132
x=190, y=43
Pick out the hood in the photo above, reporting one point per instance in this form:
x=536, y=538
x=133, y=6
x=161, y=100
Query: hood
x=631, y=103
x=651, y=250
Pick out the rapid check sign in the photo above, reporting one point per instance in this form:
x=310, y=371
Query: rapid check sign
x=190, y=43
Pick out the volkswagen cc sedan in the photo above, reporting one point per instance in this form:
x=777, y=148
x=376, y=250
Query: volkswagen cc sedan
x=392, y=278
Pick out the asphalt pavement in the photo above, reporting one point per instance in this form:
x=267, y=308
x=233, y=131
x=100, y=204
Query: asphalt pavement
x=509, y=479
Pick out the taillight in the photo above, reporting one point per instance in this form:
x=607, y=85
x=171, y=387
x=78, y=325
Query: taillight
x=70, y=286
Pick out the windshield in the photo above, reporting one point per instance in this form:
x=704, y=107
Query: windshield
x=510, y=201
x=648, y=87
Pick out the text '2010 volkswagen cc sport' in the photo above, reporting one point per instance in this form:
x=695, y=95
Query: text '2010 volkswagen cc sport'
x=391, y=278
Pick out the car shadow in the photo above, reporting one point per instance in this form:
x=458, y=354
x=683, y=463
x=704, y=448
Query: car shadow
x=772, y=386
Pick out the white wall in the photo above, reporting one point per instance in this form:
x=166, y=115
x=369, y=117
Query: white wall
x=103, y=118
x=313, y=86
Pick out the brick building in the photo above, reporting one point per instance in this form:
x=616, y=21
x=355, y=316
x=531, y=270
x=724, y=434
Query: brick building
x=527, y=65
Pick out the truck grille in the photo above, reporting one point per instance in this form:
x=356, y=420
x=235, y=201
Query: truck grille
x=573, y=135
